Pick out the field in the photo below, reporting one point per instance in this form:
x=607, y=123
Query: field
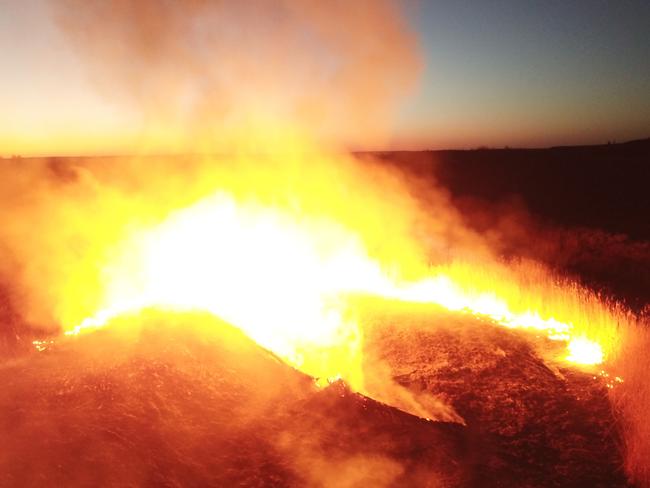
x=168, y=398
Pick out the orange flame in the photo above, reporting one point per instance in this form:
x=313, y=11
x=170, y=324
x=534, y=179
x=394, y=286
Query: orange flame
x=284, y=275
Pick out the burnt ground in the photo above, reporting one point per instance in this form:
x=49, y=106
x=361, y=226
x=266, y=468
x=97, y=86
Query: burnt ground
x=533, y=423
x=176, y=405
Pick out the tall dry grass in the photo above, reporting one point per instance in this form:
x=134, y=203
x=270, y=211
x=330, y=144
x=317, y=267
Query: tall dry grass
x=631, y=399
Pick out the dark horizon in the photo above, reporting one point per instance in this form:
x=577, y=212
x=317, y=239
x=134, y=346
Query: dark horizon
x=470, y=148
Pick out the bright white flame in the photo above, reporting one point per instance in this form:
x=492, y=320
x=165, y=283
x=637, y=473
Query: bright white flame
x=283, y=279
x=584, y=351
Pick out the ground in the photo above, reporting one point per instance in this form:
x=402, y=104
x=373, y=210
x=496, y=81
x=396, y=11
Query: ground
x=165, y=403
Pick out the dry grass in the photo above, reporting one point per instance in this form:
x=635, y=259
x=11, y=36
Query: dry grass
x=631, y=399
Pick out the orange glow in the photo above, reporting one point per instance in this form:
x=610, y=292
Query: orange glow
x=280, y=257
x=584, y=351
x=284, y=282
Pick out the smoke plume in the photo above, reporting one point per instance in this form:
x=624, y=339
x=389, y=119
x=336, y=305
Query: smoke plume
x=208, y=73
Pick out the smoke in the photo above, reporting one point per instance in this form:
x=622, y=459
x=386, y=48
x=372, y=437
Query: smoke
x=349, y=470
x=209, y=74
x=260, y=82
x=60, y=219
x=611, y=263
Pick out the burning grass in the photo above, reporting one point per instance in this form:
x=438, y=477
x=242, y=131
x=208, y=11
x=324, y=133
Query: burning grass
x=281, y=250
x=631, y=401
x=279, y=237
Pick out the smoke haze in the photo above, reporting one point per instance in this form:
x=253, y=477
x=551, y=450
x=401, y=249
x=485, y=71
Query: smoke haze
x=208, y=73
x=279, y=87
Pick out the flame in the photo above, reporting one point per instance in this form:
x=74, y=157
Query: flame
x=278, y=280
x=280, y=249
x=584, y=351
x=284, y=277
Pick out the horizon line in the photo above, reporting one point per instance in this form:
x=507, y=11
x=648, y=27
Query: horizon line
x=6, y=157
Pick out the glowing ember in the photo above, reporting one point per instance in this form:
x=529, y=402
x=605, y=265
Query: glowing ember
x=43, y=345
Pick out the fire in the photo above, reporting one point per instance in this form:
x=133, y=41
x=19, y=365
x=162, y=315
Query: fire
x=278, y=280
x=281, y=245
x=584, y=351
x=285, y=275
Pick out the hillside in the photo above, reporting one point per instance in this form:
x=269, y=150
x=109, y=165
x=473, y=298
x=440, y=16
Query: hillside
x=185, y=400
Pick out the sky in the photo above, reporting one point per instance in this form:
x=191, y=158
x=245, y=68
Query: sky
x=512, y=73
x=532, y=73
